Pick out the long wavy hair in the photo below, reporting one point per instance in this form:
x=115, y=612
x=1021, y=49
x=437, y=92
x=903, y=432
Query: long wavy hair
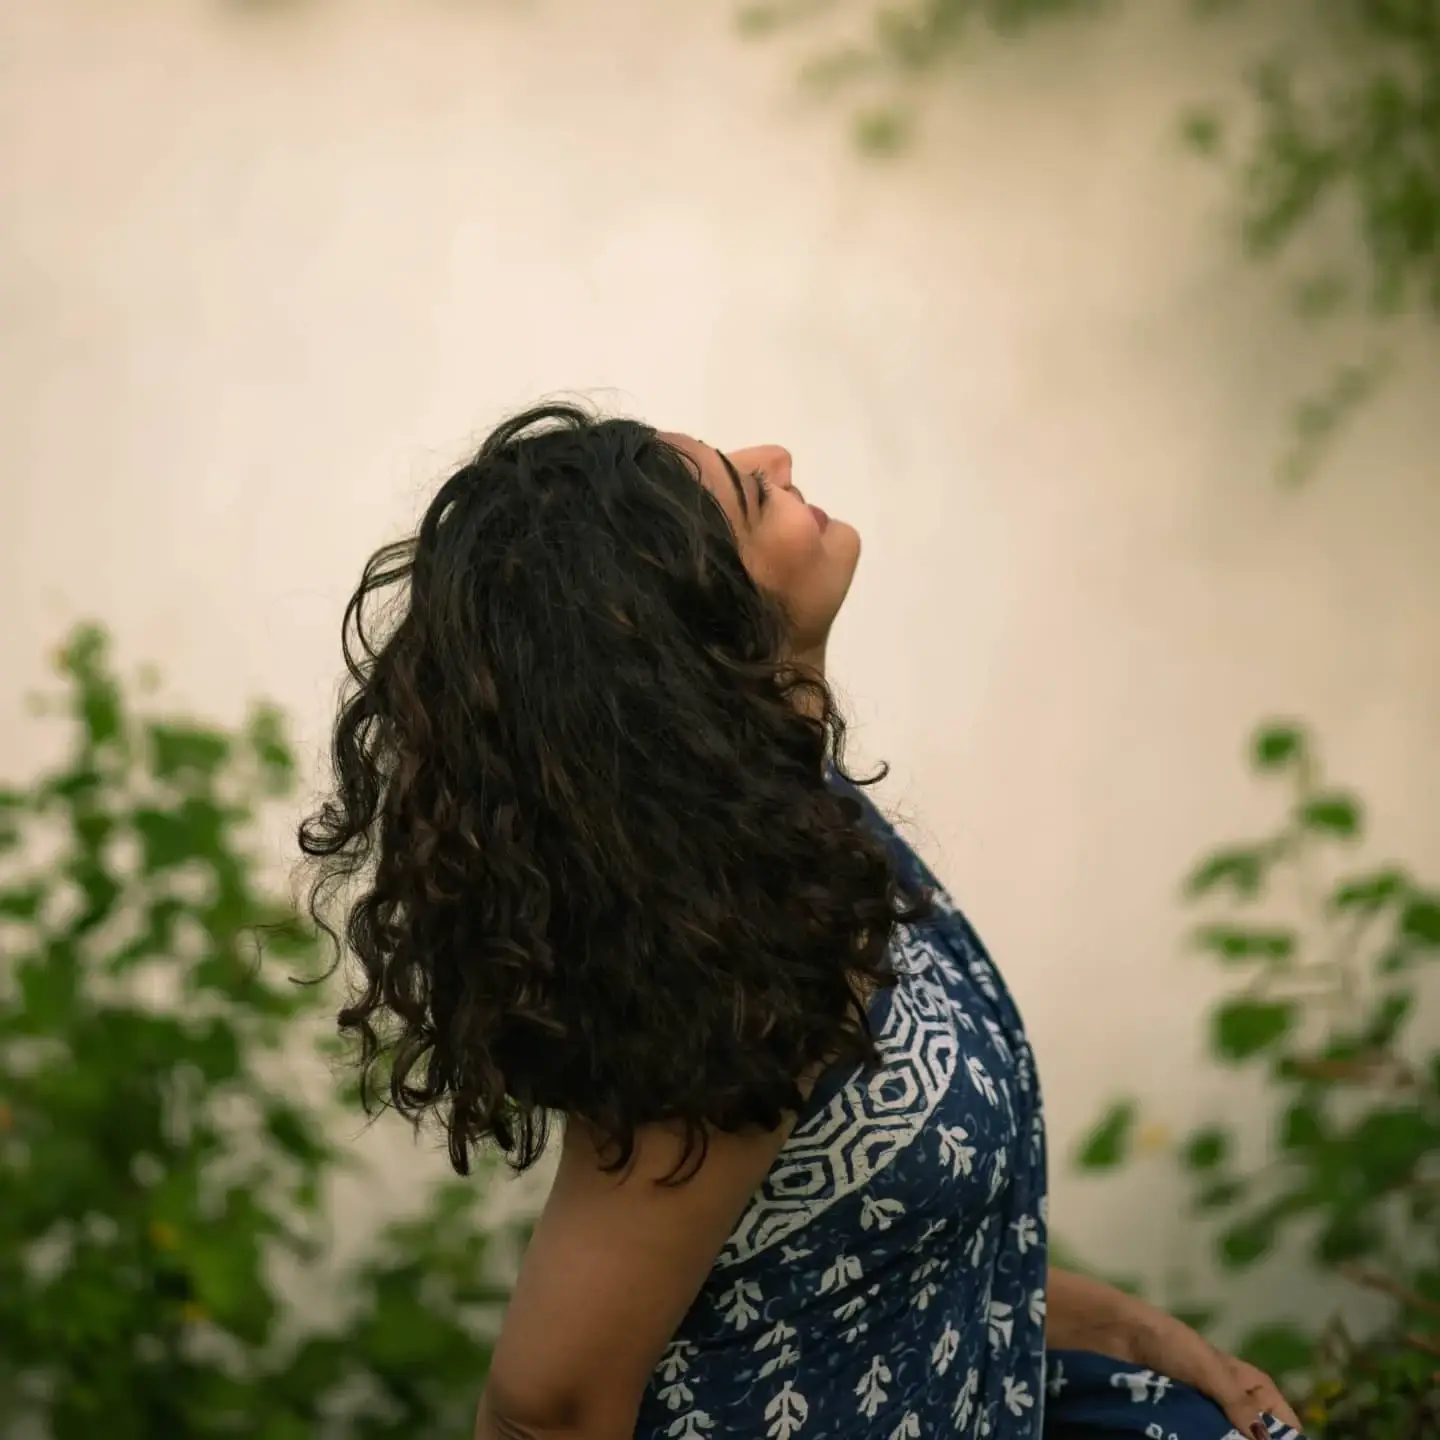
x=580, y=814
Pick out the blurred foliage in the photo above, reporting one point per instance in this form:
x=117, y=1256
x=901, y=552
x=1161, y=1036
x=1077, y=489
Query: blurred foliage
x=1338, y=119
x=154, y=1168
x=1331, y=1011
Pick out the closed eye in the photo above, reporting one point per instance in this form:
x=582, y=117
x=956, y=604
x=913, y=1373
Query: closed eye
x=762, y=488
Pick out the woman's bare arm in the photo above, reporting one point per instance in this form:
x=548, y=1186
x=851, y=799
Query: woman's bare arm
x=615, y=1262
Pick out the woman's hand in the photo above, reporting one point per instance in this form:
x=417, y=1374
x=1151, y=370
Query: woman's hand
x=1085, y=1314
x=1168, y=1346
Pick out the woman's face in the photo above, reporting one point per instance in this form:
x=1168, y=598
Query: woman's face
x=792, y=549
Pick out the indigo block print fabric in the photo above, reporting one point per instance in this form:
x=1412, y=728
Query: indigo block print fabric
x=1093, y=1398
x=888, y=1279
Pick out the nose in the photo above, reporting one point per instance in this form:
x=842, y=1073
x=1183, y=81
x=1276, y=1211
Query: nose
x=779, y=465
x=774, y=460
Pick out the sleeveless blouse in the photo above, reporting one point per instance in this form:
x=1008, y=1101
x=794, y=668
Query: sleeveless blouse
x=888, y=1279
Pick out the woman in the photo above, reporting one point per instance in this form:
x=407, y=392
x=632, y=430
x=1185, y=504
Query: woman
x=616, y=872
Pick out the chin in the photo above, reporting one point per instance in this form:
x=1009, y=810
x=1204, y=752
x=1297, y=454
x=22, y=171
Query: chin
x=843, y=559
x=843, y=543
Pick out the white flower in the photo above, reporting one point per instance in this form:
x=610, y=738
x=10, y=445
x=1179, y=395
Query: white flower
x=997, y=1174
x=1143, y=1385
x=677, y=1396
x=983, y=976
x=786, y=1412
x=1018, y=1398
x=691, y=1426
x=676, y=1359
x=1000, y=1321
x=975, y=1252
x=777, y=1334
x=871, y=1388
x=964, y=1406
x=946, y=1349
x=879, y=1214
x=954, y=1149
x=845, y=1269
x=997, y=1038
x=980, y=1078
x=779, y=1360
x=738, y=1303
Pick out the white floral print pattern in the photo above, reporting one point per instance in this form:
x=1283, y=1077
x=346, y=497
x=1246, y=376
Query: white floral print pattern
x=888, y=1278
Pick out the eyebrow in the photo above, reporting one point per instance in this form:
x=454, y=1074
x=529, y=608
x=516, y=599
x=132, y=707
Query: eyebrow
x=736, y=481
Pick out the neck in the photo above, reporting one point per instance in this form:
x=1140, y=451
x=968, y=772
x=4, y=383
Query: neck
x=812, y=659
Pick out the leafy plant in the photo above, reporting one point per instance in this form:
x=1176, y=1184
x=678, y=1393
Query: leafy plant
x=1341, y=116
x=1324, y=1005
x=157, y=1167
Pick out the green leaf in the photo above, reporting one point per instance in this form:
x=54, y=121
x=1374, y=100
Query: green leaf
x=319, y=1365
x=1280, y=1350
x=1332, y=814
x=1200, y=1318
x=1389, y=1018
x=85, y=659
x=1369, y=892
x=184, y=750
x=1388, y=1144
x=1302, y=1127
x=1420, y=922
x=282, y=1426
x=101, y=893
x=1348, y=1235
x=1108, y=1144
x=760, y=19
x=23, y=902
x=1248, y=1241
x=883, y=131
x=268, y=741
x=283, y=933
x=215, y=1051
x=1219, y=1195
x=49, y=991
x=1277, y=746
x=1206, y=1148
x=194, y=830
x=295, y=1132
x=1244, y=1028
x=155, y=938
x=1201, y=131
x=1242, y=870
x=1237, y=943
x=836, y=67
x=1394, y=960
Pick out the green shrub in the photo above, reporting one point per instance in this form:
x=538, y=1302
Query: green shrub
x=1326, y=1009
x=157, y=1163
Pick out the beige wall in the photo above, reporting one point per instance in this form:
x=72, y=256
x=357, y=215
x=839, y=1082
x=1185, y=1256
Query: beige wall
x=264, y=270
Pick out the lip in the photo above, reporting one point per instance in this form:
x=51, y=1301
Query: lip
x=821, y=518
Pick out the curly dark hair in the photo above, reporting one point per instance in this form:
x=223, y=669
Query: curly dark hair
x=585, y=798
